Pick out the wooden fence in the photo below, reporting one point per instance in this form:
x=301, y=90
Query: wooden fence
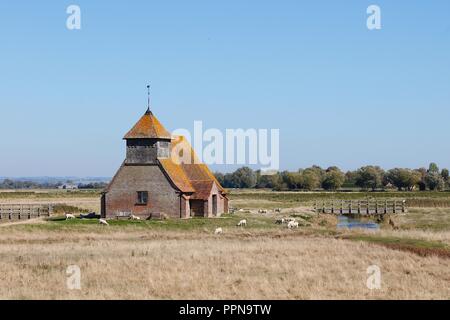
x=362, y=207
x=24, y=211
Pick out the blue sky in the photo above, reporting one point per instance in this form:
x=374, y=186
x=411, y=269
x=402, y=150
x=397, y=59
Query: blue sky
x=339, y=93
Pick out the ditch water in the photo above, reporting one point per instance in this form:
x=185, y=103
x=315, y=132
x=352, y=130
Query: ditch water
x=353, y=222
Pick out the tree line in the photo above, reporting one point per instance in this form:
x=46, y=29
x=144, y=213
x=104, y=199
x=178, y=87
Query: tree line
x=365, y=178
x=19, y=184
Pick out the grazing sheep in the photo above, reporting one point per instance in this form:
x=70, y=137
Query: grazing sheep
x=277, y=210
x=262, y=211
x=103, y=222
x=69, y=216
x=242, y=223
x=292, y=224
x=280, y=221
x=133, y=217
x=287, y=220
x=218, y=231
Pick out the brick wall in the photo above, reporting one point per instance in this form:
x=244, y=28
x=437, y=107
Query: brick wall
x=122, y=194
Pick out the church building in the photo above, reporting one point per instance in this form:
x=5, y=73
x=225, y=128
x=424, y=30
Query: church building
x=157, y=179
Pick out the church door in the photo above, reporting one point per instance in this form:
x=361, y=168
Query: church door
x=214, y=204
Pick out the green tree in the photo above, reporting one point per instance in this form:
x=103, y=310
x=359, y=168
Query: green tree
x=445, y=175
x=229, y=181
x=422, y=183
x=434, y=181
x=244, y=178
x=334, y=178
x=318, y=171
x=433, y=168
x=310, y=179
x=293, y=180
x=350, y=179
x=403, y=178
x=369, y=177
x=220, y=177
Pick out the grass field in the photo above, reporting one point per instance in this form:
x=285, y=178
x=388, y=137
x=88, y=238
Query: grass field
x=172, y=259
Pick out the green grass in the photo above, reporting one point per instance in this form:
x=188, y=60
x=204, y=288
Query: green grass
x=226, y=221
x=63, y=208
x=433, y=219
x=414, y=199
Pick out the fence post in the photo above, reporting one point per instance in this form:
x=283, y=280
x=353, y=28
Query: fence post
x=359, y=206
x=404, y=206
x=385, y=206
x=395, y=207
x=29, y=211
x=376, y=206
x=368, y=207
x=10, y=213
x=342, y=207
x=323, y=208
x=350, y=207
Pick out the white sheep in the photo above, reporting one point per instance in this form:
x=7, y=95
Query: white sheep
x=133, y=217
x=69, y=216
x=242, y=223
x=262, y=211
x=281, y=221
x=103, y=222
x=278, y=210
x=292, y=224
x=218, y=231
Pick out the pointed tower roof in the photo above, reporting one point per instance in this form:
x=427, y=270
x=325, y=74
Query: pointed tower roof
x=148, y=127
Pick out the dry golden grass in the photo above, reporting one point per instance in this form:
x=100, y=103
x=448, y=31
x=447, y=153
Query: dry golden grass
x=149, y=264
x=178, y=260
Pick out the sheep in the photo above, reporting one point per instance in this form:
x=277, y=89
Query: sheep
x=262, y=211
x=69, y=216
x=287, y=220
x=218, y=231
x=133, y=217
x=280, y=221
x=103, y=222
x=278, y=210
x=242, y=223
x=292, y=224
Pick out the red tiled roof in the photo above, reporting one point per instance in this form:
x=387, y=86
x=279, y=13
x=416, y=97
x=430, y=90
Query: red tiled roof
x=202, y=189
x=177, y=175
x=191, y=176
x=148, y=127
